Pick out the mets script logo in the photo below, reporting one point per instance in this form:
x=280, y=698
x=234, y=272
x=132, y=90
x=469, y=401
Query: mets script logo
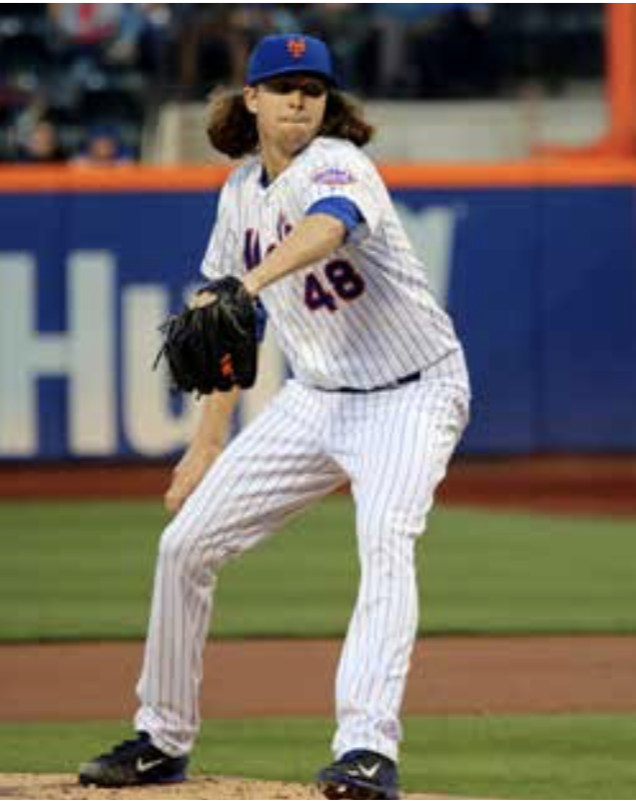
x=296, y=47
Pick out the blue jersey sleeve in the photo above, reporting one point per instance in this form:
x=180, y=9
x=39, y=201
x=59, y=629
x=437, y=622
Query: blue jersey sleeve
x=343, y=209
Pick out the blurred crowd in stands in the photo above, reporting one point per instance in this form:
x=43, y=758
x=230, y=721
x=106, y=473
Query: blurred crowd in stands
x=77, y=80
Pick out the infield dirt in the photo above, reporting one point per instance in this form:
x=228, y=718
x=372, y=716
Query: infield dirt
x=52, y=786
x=454, y=675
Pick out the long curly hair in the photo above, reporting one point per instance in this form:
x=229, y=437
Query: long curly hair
x=231, y=128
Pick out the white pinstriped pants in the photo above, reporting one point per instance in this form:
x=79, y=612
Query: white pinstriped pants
x=394, y=446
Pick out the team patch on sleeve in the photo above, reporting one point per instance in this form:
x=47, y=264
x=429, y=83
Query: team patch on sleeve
x=333, y=177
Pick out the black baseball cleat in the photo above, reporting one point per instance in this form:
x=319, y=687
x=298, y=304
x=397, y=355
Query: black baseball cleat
x=135, y=762
x=360, y=775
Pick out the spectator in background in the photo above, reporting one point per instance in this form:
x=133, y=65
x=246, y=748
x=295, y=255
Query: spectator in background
x=103, y=147
x=451, y=52
x=42, y=145
x=159, y=26
x=213, y=46
x=432, y=49
x=83, y=30
x=89, y=36
x=346, y=27
x=31, y=129
x=217, y=38
x=13, y=101
x=391, y=25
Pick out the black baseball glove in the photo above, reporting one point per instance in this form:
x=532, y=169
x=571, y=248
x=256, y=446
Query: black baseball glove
x=212, y=347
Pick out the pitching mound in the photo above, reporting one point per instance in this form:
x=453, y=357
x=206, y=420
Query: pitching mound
x=60, y=786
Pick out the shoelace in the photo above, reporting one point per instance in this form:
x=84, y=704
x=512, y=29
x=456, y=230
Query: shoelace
x=121, y=748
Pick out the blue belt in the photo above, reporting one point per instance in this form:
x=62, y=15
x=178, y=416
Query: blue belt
x=412, y=377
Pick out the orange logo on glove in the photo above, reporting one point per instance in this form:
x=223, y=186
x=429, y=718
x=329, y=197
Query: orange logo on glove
x=227, y=368
x=296, y=47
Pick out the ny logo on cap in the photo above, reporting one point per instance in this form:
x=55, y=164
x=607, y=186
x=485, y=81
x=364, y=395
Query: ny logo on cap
x=296, y=47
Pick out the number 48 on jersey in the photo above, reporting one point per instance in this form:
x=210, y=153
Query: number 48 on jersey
x=342, y=283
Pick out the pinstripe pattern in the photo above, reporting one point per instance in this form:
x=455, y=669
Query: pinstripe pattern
x=273, y=469
x=414, y=432
x=393, y=328
x=394, y=446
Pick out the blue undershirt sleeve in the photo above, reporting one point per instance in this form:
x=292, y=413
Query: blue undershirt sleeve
x=343, y=209
x=261, y=321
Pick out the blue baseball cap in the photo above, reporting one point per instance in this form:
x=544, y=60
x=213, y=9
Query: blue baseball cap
x=286, y=54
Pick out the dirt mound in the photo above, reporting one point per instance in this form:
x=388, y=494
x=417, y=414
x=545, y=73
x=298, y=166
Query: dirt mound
x=60, y=786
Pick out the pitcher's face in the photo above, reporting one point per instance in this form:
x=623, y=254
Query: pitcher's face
x=289, y=110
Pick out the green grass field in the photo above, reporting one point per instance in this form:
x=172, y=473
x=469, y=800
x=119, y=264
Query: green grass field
x=522, y=757
x=84, y=570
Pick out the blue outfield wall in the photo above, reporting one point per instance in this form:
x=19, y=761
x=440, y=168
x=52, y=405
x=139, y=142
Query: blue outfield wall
x=541, y=283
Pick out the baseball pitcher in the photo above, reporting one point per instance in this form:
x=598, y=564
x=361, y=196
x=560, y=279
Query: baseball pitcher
x=306, y=238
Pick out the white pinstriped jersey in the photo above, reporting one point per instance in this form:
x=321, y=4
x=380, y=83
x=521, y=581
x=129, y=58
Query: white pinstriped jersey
x=362, y=318
x=365, y=316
